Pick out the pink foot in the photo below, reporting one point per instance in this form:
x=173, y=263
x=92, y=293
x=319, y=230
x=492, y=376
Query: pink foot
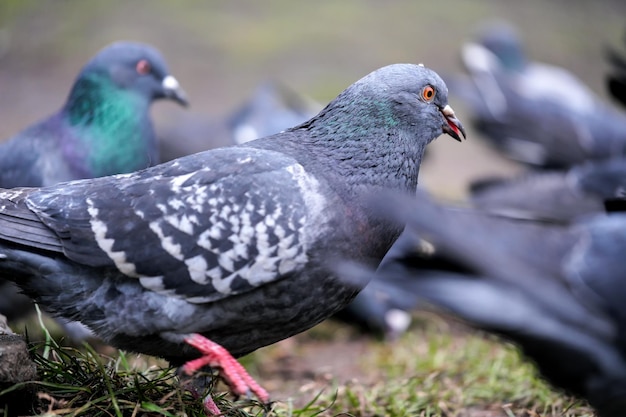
x=215, y=356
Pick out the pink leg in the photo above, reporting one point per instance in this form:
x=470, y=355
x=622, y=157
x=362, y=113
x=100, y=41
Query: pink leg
x=215, y=356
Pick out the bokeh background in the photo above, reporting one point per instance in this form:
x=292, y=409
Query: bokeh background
x=221, y=50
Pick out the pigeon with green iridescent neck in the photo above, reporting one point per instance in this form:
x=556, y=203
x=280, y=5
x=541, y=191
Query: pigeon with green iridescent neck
x=103, y=128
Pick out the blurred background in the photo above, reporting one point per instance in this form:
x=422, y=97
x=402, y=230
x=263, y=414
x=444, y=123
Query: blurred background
x=221, y=51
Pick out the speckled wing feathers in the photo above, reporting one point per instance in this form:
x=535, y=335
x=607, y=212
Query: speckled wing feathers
x=230, y=226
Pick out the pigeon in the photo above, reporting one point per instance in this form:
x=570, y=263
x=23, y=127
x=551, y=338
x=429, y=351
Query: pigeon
x=378, y=309
x=616, y=80
x=555, y=289
x=103, y=128
x=534, y=113
x=382, y=308
x=270, y=109
x=208, y=257
x=192, y=132
x=558, y=196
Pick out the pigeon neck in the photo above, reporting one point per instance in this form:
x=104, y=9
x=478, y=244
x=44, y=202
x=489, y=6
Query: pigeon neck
x=367, y=149
x=111, y=126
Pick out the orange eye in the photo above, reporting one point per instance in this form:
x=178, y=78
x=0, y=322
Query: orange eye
x=143, y=67
x=428, y=93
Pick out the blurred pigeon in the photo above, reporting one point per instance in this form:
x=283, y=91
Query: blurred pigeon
x=191, y=133
x=382, y=308
x=225, y=251
x=104, y=128
x=271, y=108
x=616, y=80
x=560, y=196
x=535, y=113
x=556, y=290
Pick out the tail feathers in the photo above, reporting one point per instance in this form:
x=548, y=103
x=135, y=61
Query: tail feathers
x=20, y=225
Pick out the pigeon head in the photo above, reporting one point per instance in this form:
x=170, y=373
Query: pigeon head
x=107, y=110
x=390, y=114
x=497, y=43
x=134, y=68
x=417, y=100
x=407, y=99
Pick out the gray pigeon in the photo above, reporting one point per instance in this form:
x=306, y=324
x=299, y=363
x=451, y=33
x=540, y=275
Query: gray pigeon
x=270, y=109
x=556, y=290
x=103, y=128
x=535, y=113
x=378, y=309
x=560, y=196
x=228, y=250
x=383, y=308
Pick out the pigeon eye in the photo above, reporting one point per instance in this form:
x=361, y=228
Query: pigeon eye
x=143, y=67
x=428, y=93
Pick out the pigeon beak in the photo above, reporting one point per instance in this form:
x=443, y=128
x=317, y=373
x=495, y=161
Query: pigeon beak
x=172, y=89
x=453, y=126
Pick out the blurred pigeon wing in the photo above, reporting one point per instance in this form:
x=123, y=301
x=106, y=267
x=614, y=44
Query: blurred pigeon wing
x=517, y=252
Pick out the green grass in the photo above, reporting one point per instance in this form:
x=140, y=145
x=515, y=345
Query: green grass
x=436, y=369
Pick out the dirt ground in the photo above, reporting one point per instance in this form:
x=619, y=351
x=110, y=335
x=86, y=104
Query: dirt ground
x=220, y=51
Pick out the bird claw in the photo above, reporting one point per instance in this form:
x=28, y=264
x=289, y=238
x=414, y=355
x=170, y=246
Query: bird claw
x=231, y=371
